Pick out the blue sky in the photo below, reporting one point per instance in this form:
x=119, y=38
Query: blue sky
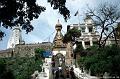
x=44, y=26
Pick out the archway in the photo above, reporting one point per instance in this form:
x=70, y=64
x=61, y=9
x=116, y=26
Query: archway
x=58, y=65
x=59, y=60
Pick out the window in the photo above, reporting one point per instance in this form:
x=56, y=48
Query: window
x=90, y=29
x=71, y=55
x=87, y=43
x=83, y=29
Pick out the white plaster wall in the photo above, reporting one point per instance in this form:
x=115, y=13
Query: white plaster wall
x=48, y=60
x=91, y=41
x=83, y=44
x=86, y=29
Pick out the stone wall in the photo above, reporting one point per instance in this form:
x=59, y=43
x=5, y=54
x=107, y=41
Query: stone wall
x=29, y=49
x=6, y=53
x=25, y=50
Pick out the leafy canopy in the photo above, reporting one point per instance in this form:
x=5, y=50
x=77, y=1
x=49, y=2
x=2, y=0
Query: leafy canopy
x=60, y=5
x=71, y=35
x=22, y=12
x=19, y=68
x=102, y=61
x=39, y=53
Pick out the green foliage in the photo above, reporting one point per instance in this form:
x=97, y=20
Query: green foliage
x=21, y=68
x=39, y=50
x=102, y=60
x=79, y=48
x=5, y=73
x=60, y=5
x=2, y=66
x=39, y=53
x=118, y=30
x=71, y=35
x=19, y=12
x=2, y=34
x=22, y=12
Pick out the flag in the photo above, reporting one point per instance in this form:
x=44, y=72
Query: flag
x=76, y=13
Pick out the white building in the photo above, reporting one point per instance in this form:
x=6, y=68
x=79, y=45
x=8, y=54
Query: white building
x=89, y=35
x=15, y=37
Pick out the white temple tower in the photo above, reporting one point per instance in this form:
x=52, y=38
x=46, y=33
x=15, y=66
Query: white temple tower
x=15, y=37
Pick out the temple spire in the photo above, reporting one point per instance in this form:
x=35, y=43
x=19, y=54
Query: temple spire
x=58, y=37
x=58, y=21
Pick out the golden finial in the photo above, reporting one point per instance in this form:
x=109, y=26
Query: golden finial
x=58, y=21
x=58, y=25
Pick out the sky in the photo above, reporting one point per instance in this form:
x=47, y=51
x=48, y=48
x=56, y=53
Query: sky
x=44, y=26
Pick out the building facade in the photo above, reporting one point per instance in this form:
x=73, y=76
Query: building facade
x=89, y=35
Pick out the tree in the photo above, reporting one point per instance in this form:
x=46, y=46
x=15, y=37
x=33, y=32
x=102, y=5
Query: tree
x=19, y=67
x=71, y=35
x=22, y=12
x=60, y=4
x=106, y=17
x=78, y=48
x=5, y=73
x=1, y=35
x=102, y=61
x=39, y=53
x=14, y=12
x=118, y=30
